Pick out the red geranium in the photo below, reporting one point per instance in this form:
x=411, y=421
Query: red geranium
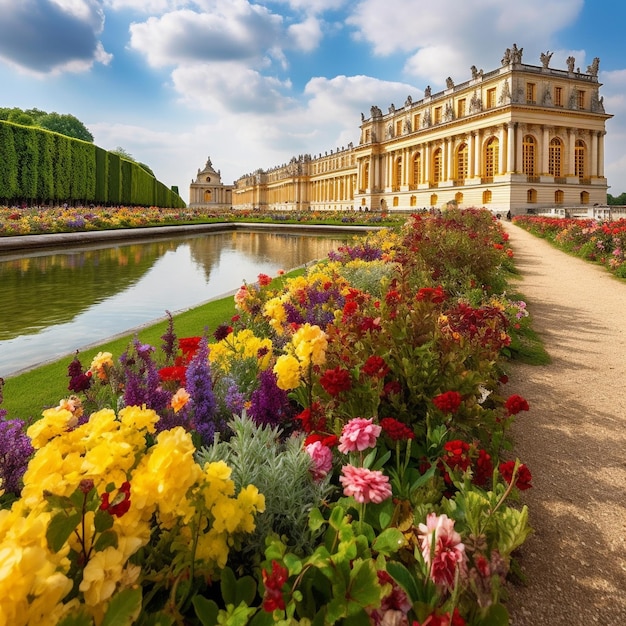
x=515, y=404
x=395, y=430
x=523, y=474
x=436, y=295
x=448, y=402
x=274, y=581
x=336, y=380
x=375, y=367
x=176, y=374
x=483, y=468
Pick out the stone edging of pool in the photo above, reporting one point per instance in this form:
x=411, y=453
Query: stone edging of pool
x=55, y=240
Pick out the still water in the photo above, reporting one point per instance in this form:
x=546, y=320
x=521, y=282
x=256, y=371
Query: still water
x=53, y=302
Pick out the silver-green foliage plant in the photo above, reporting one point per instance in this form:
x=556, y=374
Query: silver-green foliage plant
x=280, y=468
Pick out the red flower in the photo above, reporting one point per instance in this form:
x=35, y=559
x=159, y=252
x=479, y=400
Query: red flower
x=120, y=504
x=274, y=581
x=312, y=418
x=483, y=468
x=515, y=404
x=436, y=295
x=375, y=367
x=264, y=280
x=189, y=346
x=336, y=380
x=523, y=474
x=456, y=454
x=396, y=430
x=176, y=374
x=350, y=308
x=448, y=402
x=391, y=388
x=222, y=331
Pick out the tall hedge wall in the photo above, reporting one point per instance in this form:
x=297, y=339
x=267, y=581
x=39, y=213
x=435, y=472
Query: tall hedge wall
x=39, y=167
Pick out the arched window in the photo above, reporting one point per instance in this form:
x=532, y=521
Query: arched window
x=417, y=169
x=584, y=197
x=558, y=196
x=555, y=155
x=396, y=201
x=579, y=158
x=531, y=196
x=458, y=198
x=529, y=155
x=413, y=201
x=207, y=195
x=461, y=162
x=433, y=199
x=486, y=196
x=491, y=156
x=437, y=166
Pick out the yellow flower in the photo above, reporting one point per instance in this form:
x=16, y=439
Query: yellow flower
x=100, y=363
x=101, y=574
x=139, y=418
x=179, y=399
x=287, y=370
x=54, y=422
x=310, y=344
x=275, y=311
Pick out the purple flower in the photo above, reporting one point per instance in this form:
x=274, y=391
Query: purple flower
x=268, y=403
x=170, y=344
x=15, y=452
x=200, y=388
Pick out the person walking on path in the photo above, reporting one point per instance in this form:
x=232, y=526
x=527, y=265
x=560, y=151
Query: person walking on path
x=573, y=440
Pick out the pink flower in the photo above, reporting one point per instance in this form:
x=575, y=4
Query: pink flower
x=442, y=548
x=364, y=484
x=358, y=434
x=322, y=457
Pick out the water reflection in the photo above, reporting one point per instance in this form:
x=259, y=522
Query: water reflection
x=56, y=302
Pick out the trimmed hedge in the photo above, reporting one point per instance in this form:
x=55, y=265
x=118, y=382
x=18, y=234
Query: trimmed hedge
x=42, y=167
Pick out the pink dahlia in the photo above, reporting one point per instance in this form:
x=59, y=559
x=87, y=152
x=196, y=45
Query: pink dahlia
x=322, y=458
x=442, y=548
x=358, y=434
x=364, y=484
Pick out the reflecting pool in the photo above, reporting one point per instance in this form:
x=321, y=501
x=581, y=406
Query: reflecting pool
x=55, y=302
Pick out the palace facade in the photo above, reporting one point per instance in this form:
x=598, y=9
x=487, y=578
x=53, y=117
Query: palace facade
x=208, y=191
x=519, y=138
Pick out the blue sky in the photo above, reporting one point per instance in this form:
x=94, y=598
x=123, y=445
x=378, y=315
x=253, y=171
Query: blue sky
x=252, y=84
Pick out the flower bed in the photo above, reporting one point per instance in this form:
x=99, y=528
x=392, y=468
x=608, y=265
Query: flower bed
x=592, y=240
x=41, y=220
x=337, y=453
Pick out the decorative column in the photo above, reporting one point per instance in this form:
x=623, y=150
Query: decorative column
x=594, y=154
x=511, y=166
x=545, y=150
x=601, y=135
x=519, y=146
x=470, y=155
x=427, y=152
x=449, y=145
x=477, y=160
x=502, y=152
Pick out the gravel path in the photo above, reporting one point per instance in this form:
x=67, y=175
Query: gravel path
x=573, y=440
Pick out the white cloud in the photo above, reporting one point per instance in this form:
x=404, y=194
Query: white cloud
x=306, y=35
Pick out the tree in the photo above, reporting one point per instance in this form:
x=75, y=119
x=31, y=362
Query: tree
x=123, y=153
x=65, y=124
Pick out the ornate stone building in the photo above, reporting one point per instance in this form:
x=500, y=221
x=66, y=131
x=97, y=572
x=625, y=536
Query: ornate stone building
x=521, y=137
x=207, y=190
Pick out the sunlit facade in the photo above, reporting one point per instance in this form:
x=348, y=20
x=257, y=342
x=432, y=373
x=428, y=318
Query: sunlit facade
x=207, y=189
x=516, y=138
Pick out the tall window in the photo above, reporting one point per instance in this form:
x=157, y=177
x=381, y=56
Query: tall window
x=558, y=96
x=398, y=128
x=555, y=157
x=491, y=98
x=438, y=115
x=579, y=158
x=461, y=162
x=416, y=121
x=437, y=166
x=531, y=196
x=558, y=197
x=584, y=197
x=397, y=173
x=366, y=176
x=417, y=169
x=529, y=152
x=491, y=157
x=581, y=99
x=486, y=196
x=531, y=93
x=460, y=108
